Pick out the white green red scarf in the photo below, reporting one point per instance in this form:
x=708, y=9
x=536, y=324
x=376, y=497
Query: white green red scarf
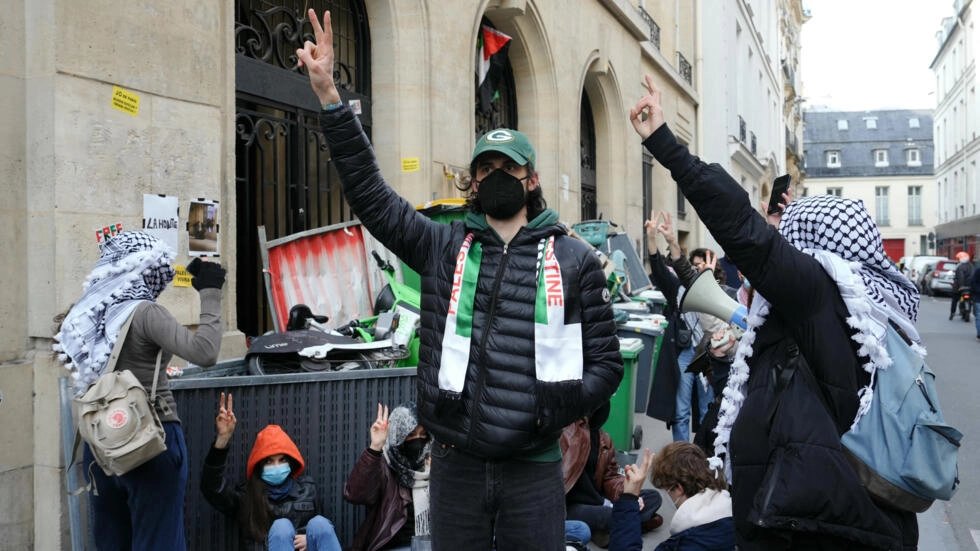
x=557, y=346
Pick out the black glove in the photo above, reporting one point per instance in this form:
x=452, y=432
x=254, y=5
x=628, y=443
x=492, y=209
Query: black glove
x=207, y=275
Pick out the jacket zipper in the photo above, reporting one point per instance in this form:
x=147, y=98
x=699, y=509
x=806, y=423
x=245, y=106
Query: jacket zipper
x=769, y=490
x=480, y=381
x=922, y=388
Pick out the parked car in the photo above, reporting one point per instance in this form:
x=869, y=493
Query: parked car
x=923, y=282
x=915, y=264
x=941, y=277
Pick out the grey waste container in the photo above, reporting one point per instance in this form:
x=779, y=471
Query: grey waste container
x=649, y=329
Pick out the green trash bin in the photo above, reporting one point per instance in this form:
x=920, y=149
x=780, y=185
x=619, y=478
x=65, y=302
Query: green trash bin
x=624, y=434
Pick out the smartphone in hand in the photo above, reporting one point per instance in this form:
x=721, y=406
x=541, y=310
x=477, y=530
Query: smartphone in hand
x=779, y=186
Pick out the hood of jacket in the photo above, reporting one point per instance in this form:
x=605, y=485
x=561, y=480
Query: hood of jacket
x=703, y=508
x=270, y=441
x=543, y=225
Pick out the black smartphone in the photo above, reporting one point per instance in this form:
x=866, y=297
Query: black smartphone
x=779, y=186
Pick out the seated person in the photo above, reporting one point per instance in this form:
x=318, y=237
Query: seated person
x=275, y=505
x=391, y=477
x=592, y=479
x=703, y=520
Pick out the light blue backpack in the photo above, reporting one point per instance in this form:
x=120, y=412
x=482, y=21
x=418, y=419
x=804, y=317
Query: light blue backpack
x=902, y=449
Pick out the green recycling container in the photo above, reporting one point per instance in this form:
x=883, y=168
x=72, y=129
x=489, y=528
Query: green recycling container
x=624, y=434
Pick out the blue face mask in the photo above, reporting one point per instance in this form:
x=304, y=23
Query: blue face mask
x=275, y=475
x=746, y=284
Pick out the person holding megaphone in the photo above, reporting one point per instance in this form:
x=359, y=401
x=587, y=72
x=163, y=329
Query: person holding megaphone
x=825, y=293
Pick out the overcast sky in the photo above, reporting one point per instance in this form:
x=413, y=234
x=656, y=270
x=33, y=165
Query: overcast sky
x=871, y=54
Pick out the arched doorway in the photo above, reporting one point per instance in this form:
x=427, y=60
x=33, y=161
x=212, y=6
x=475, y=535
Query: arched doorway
x=587, y=156
x=284, y=179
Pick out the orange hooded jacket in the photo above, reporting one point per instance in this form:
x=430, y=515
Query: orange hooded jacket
x=270, y=441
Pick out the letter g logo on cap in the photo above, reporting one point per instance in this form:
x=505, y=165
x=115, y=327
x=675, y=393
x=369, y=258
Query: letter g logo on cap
x=500, y=136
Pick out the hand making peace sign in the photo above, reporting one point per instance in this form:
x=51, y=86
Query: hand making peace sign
x=379, y=430
x=318, y=59
x=225, y=421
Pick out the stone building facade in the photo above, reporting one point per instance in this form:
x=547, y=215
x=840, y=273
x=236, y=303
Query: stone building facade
x=223, y=115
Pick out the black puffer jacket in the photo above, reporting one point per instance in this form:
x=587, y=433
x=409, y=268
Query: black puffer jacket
x=792, y=485
x=502, y=413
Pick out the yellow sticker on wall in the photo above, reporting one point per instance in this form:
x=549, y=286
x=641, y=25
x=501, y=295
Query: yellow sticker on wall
x=410, y=164
x=125, y=100
x=182, y=278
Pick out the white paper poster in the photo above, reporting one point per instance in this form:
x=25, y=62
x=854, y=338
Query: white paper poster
x=161, y=218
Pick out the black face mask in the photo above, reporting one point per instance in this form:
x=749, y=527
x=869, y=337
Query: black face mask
x=501, y=195
x=412, y=449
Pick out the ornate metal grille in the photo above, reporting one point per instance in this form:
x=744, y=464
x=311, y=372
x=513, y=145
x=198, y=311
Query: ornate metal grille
x=684, y=67
x=503, y=108
x=272, y=31
x=654, y=28
x=587, y=155
x=284, y=178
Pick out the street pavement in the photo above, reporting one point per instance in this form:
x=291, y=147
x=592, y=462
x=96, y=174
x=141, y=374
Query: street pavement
x=954, y=355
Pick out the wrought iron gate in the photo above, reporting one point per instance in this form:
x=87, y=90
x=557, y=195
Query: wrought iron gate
x=284, y=178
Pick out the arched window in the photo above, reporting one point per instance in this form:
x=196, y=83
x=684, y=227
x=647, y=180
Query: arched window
x=284, y=178
x=587, y=157
x=497, y=108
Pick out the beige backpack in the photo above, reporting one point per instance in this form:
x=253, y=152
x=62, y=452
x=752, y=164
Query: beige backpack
x=116, y=418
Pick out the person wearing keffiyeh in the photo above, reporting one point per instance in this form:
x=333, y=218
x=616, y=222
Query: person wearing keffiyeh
x=142, y=509
x=824, y=291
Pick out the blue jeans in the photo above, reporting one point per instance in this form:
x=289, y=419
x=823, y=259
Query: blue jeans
x=576, y=530
x=144, y=508
x=320, y=535
x=681, y=428
x=599, y=517
x=473, y=501
x=976, y=314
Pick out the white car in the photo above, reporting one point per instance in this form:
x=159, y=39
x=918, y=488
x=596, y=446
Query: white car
x=916, y=264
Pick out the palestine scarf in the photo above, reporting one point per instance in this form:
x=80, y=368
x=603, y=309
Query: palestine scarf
x=842, y=237
x=558, y=359
x=411, y=472
x=133, y=267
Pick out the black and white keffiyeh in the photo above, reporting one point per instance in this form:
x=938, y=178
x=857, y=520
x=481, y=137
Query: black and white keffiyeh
x=842, y=237
x=133, y=267
x=844, y=227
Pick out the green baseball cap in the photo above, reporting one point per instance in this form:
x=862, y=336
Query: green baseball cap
x=511, y=143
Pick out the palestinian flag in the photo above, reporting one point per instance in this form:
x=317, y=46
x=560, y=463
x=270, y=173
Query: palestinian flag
x=491, y=53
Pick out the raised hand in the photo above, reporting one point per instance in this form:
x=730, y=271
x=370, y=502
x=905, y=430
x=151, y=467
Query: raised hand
x=636, y=474
x=225, y=421
x=774, y=219
x=319, y=58
x=379, y=429
x=666, y=226
x=710, y=261
x=647, y=115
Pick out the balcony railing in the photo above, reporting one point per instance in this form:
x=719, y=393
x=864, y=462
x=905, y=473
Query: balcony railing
x=752, y=147
x=741, y=129
x=654, y=28
x=684, y=67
